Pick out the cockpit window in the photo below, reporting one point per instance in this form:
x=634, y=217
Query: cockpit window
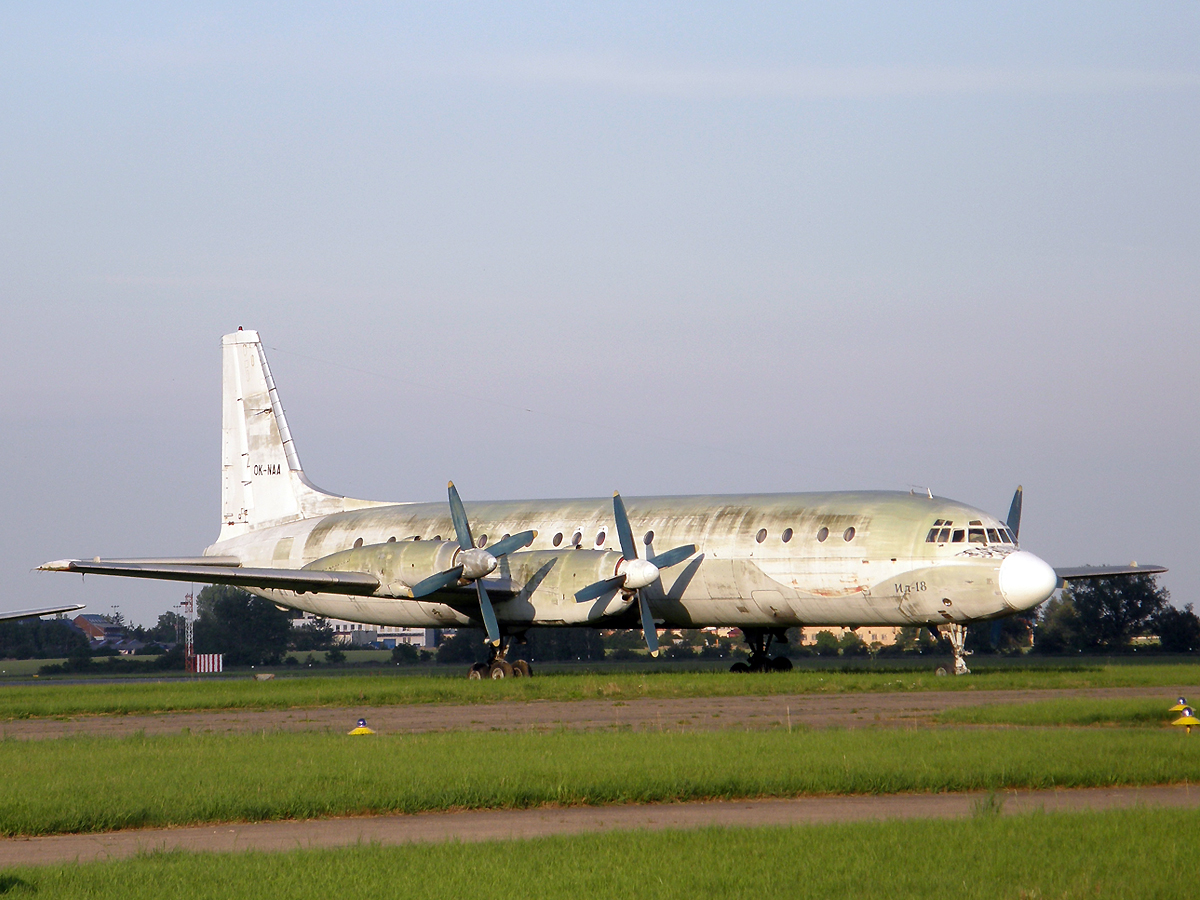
x=993, y=536
x=959, y=534
x=1005, y=536
x=975, y=536
x=939, y=533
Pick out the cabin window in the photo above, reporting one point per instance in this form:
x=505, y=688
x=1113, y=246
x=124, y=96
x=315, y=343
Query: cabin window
x=575, y=541
x=761, y=536
x=505, y=536
x=648, y=538
x=823, y=533
x=959, y=534
x=437, y=537
x=600, y=539
x=358, y=542
x=787, y=535
x=392, y=539
x=482, y=542
x=557, y=539
x=848, y=534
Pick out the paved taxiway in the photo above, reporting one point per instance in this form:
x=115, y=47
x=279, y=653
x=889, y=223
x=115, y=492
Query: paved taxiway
x=489, y=825
x=689, y=714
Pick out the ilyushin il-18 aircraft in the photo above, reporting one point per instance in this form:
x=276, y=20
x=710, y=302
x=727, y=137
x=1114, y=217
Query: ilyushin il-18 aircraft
x=762, y=563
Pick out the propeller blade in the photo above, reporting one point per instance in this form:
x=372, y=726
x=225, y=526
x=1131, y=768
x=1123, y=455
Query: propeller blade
x=458, y=515
x=1014, y=513
x=624, y=532
x=509, y=544
x=437, y=582
x=673, y=557
x=648, y=629
x=489, y=615
x=598, y=589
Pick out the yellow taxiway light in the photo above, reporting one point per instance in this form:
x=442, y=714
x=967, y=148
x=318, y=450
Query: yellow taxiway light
x=1187, y=720
x=361, y=728
x=1179, y=707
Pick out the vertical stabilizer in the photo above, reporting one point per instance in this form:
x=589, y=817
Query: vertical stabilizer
x=262, y=482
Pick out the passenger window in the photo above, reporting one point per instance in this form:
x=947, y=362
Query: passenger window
x=944, y=536
x=761, y=536
x=787, y=535
x=959, y=534
x=557, y=539
x=993, y=536
x=975, y=536
x=822, y=534
x=848, y=534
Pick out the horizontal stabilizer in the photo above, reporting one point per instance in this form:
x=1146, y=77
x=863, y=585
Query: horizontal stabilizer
x=1069, y=574
x=31, y=613
x=299, y=580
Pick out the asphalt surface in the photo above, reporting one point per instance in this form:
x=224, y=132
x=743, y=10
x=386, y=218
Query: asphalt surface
x=895, y=710
x=492, y=825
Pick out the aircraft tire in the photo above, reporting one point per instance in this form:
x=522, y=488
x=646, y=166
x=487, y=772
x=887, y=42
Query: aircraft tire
x=476, y=672
x=739, y=667
x=781, y=664
x=501, y=668
x=520, y=667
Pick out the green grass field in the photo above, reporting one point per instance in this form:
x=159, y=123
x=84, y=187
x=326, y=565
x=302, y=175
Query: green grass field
x=1067, y=711
x=95, y=784
x=1124, y=854
x=385, y=689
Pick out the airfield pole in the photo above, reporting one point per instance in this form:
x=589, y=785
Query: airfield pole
x=189, y=646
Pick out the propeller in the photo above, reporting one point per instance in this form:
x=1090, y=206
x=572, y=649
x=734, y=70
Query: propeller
x=633, y=573
x=1014, y=513
x=475, y=562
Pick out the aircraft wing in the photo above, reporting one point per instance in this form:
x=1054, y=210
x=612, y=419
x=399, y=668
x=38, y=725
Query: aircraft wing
x=45, y=611
x=222, y=570
x=1078, y=572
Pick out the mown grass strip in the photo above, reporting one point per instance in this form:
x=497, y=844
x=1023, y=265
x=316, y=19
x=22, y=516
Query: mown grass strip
x=1129, y=853
x=173, y=695
x=94, y=784
x=1067, y=711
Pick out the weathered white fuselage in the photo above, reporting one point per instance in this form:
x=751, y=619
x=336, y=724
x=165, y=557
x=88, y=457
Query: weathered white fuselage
x=874, y=565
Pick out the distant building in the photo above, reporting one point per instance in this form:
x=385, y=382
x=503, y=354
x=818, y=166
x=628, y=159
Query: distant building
x=356, y=634
x=99, y=628
x=884, y=635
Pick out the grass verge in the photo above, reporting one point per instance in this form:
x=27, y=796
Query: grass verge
x=1128, y=853
x=88, y=784
x=1068, y=711
x=172, y=695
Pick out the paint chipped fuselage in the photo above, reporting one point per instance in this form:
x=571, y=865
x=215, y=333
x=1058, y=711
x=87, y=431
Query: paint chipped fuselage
x=773, y=560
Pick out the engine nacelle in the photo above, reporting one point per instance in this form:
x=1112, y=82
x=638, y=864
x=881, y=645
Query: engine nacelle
x=547, y=580
x=398, y=564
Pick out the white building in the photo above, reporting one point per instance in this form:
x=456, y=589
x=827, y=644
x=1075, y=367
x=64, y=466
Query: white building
x=357, y=634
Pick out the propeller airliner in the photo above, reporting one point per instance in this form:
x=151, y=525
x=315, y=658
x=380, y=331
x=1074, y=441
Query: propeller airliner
x=763, y=563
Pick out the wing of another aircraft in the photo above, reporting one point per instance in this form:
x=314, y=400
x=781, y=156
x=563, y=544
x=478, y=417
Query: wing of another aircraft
x=45, y=611
x=1079, y=572
x=222, y=570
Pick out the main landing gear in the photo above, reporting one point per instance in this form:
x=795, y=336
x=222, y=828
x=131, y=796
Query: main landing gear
x=760, y=640
x=498, y=666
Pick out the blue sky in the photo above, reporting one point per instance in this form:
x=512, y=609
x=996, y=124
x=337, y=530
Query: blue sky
x=560, y=250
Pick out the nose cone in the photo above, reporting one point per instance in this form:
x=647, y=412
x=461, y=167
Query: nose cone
x=1026, y=580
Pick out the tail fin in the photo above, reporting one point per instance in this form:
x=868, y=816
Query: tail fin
x=262, y=482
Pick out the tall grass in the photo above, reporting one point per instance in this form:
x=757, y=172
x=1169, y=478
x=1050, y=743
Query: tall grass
x=93, y=784
x=1066, y=711
x=1123, y=854
x=26, y=701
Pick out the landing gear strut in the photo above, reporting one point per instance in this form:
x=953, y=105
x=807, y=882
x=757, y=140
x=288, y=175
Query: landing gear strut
x=957, y=635
x=498, y=666
x=760, y=660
